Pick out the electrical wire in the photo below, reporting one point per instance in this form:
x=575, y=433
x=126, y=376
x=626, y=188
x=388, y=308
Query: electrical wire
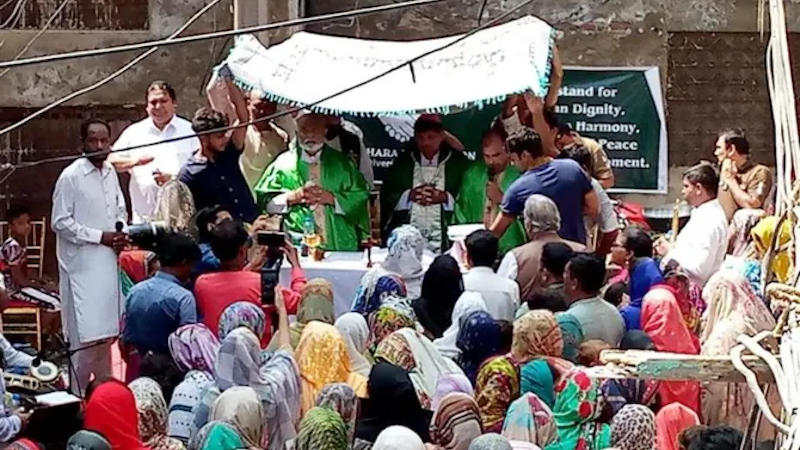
x=483, y=8
x=38, y=34
x=67, y=158
x=217, y=34
x=14, y=13
x=108, y=78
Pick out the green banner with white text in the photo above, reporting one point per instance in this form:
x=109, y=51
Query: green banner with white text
x=622, y=108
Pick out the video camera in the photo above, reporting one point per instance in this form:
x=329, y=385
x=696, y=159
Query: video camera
x=270, y=271
x=144, y=235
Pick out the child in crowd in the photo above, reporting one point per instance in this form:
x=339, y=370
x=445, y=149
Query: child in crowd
x=13, y=254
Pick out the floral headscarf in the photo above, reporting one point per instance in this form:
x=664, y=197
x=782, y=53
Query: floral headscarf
x=341, y=398
x=386, y=320
x=479, y=338
x=322, y=429
x=467, y=303
x=194, y=347
x=634, y=428
x=377, y=285
x=152, y=410
x=529, y=419
x=579, y=404
x=456, y=422
x=242, y=314
x=537, y=334
x=496, y=387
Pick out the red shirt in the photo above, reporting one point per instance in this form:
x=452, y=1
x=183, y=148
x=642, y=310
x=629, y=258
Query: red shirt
x=216, y=291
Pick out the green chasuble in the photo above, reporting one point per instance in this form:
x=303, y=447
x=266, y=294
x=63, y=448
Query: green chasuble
x=471, y=202
x=400, y=178
x=339, y=176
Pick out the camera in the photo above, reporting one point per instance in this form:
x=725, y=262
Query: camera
x=270, y=271
x=146, y=235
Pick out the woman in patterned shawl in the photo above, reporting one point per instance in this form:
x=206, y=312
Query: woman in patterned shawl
x=316, y=303
x=343, y=399
x=536, y=335
x=456, y=422
x=579, y=404
x=376, y=286
x=387, y=319
x=152, y=410
x=322, y=429
x=241, y=407
x=634, y=428
x=529, y=419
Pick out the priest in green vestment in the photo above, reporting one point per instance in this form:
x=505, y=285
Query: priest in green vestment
x=313, y=183
x=485, y=182
x=421, y=186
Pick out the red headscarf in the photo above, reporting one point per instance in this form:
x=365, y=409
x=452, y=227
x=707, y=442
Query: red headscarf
x=663, y=322
x=670, y=422
x=111, y=411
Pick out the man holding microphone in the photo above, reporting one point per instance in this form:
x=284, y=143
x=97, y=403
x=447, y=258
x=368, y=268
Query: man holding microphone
x=87, y=204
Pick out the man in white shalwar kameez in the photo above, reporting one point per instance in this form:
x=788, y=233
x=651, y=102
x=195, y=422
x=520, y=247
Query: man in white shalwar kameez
x=87, y=203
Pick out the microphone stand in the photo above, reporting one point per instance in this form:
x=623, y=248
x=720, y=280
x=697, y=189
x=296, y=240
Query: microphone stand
x=69, y=353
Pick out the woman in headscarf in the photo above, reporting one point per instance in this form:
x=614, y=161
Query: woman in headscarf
x=733, y=310
x=416, y=354
x=689, y=297
x=316, y=303
x=175, y=206
x=276, y=380
x=392, y=401
x=88, y=440
x=529, y=419
x=194, y=349
x=152, y=410
x=536, y=335
x=354, y=329
x=441, y=289
x=322, y=429
x=479, y=338
x=663, y=322
x=740, y=241
x=218, y=436
x=539, y=379
x=405, y=247
x=111, y=411
x=242, y=408
x=634, y=428
x=579, y=404
x=670, y=423
x=456, y=422
x=448, y=384
x=242, y=314
x=621, y=392
x=762, y=235
x=468, y=303
x=322, y=358
x=342, y=399
x=386, y=320
x=398, y=438
x=572, y=334
x=376, y=286
x=490, y=441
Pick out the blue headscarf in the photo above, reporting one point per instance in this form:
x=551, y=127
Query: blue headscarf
x=479, y=337
x=376, y=286
x=537, y=378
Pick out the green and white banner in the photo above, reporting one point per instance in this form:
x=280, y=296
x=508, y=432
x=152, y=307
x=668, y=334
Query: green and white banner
x=621, y=107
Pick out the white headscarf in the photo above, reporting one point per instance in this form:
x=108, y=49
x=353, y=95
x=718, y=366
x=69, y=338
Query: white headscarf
x=468, y=303
x=355, y=331
x=398, y=438
x=406, y=246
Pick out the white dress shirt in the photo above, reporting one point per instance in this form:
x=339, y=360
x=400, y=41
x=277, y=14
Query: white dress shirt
x=88, y=201
x=702, y=243
x=169, y=158
x=500, y=294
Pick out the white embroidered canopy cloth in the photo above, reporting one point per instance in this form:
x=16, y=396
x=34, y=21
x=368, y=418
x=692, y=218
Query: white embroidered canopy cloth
x=481, y=69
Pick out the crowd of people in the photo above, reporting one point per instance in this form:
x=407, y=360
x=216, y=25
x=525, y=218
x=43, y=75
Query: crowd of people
x=489, y=351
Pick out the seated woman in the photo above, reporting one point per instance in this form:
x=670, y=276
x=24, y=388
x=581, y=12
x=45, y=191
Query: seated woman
x=111, y=412
x=643, y=269
x=579, y=405
x=441, y=289
x=316, y=303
